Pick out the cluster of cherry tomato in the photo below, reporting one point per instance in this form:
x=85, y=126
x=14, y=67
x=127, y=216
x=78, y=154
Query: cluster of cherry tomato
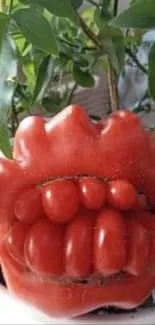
x=82, y=221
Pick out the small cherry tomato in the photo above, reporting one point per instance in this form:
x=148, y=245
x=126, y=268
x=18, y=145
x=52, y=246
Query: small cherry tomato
x=15, y=241
x=93, y=192
x=60, y=200
x=43, y=249
x=122, y=195
x=78, y=247
x=141, y=203
x=138, y=247
x=110, y=242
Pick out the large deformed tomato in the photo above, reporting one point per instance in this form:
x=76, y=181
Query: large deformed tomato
x=77, y=229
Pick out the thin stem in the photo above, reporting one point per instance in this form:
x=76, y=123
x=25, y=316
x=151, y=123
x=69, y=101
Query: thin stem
x=85, y=48
x=145, y=108
x=113, y=90
x=112, y=77
x=14, y=120
x=91, y=35
x=115, y=7
x=70, y=96
x=10, y=7
x=135, y=60
x=93, y=3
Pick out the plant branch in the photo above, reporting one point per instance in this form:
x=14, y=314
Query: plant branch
x=93, y=3
x=85, y=48
x=135, y=60
x=115, y=7
x=113, y=89
x=91, y=35
x=71, y=93
x=112, y=77
x=10, y=7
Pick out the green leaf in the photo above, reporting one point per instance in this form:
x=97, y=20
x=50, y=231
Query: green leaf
x=112, y=51
x=105, y=12
x=59, y=8
x=43, y=79
x=133, y=2
x=152, y=72
x=36, y=29
x=139, y=15
x=119, y=53
x=95, y=117
x=4, y=22
x=8, y=73
x=76, y=3
x=5, y=145
x=83, y=78
x=29, y=72
x=55, y=103
x=113, y=43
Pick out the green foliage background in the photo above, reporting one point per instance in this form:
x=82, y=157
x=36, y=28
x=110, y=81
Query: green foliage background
x=41, y=41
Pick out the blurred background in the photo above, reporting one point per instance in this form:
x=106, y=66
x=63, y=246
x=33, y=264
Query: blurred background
x=132, y=81
x=54, y=55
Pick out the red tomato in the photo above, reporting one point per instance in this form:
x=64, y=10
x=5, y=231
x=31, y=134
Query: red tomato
x=15, y=241
x=79, y=247
x=44, y=249
x=122, y=195
x=93, y=192
x=147, y=220
x=28, y=207
x=109, y=243
x=60, y=200
x=67, y=146
x=141, y=203
x=138, y=247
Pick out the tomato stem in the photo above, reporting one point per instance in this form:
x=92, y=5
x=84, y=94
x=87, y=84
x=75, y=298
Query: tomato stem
x=115, y=7
x=113, y=90
x=90, y=34
x=112, y=76
x=10, y=7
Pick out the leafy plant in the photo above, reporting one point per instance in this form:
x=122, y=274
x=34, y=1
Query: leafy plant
x=44, y=42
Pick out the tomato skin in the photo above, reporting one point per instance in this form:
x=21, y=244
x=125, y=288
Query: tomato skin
x=109, y=243
x=70, y=146
x=78, y=247
x=70, y=300
x=15, y=241
x=60, y=200
x=138, y=247
x=141, y=203
x=28, y=207
x=43, y=249
x=147, y=220
x=93, y=192
x=122, y=195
